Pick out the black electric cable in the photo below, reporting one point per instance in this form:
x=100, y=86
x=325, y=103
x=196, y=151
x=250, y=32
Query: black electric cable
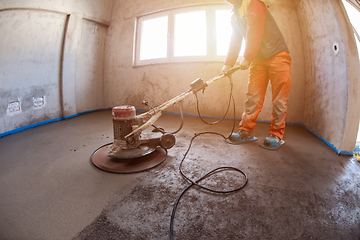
x=210, y=173
x=227, y=109
x=195, y=183
x=226, y=112
x=217, y=170
x=181, y=124
x=182, y=119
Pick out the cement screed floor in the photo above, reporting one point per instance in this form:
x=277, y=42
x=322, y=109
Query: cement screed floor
x=51, y=190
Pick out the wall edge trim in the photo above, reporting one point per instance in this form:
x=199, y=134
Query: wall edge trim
x=347, y=153
x=20, y=129
x=263, y=121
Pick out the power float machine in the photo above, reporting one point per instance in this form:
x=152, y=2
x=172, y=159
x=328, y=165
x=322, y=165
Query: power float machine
x=134, y=150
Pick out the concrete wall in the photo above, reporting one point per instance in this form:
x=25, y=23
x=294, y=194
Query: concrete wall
x=125, y=84
x=331, y=72
x=77, y=56
x=353, y=77
x=51, y=51
x=29, y=63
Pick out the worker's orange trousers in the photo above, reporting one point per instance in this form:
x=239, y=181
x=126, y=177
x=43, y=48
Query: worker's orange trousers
x=277, y=69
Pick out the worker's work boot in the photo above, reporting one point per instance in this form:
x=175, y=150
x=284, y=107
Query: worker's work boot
x=272, y=142
x=241, y=136
x=244, y=134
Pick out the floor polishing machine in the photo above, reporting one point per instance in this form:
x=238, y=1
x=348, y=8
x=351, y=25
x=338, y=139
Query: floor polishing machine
x=134, y=150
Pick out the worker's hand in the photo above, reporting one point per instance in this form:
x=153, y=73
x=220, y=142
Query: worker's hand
x=244, y=64
x=225, y=68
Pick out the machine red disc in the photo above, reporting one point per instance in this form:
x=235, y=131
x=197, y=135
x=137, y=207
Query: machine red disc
x=129, y=165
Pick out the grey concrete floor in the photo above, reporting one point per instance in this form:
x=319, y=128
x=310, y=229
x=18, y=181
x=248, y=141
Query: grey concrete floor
x=50, y=189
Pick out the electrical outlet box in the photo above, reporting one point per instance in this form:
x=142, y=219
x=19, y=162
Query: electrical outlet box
x=14, y=106
x=38, y=101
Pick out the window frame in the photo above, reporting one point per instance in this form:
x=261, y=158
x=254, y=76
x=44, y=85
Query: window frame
x=138, y=29
x=210, y=10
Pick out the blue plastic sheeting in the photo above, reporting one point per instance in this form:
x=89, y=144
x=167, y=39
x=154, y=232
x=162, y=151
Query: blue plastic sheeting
x=192, y=115
x=46, y=122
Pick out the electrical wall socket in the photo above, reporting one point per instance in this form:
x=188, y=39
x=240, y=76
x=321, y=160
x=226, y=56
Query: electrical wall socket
x=38, y=101
x=14, y=106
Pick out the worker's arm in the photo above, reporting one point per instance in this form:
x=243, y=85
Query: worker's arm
x=256, y=16
x=234, y=48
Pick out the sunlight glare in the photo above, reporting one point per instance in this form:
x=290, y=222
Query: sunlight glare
x=354, y=16
x=190, y=34
x=223, y=31
x=154, y=34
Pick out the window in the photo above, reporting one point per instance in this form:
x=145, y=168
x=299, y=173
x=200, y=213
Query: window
x=190, y=34
x=354, y=17
x=153, y=44
x=222, y=28
x=197, y=33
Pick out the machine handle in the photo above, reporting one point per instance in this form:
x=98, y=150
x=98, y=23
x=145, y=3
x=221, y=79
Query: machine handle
x=155, y=113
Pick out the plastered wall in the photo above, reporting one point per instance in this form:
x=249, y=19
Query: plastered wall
x=125, y=84
x=29, y=66
x=59, y=58
x=331, y=72
x=51, y=59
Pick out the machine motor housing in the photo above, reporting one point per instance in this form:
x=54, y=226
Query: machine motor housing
x=138, y=144
x=124, y=122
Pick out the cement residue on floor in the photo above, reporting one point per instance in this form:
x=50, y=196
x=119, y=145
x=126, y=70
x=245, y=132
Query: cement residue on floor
x=302, y=191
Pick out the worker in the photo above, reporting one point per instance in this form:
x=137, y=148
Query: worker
x=267, y=56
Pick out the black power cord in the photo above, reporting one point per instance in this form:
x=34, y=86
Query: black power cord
x=160, y=129
x=212, y=172
x=231, y=97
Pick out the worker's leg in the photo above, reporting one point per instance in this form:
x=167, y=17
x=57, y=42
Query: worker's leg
x=257, y=84
x=280, y=77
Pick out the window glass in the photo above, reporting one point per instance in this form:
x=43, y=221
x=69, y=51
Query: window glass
x=194, y=33
x=153, y=41
x=354, y=16
x=223, y=31
x=190, y=35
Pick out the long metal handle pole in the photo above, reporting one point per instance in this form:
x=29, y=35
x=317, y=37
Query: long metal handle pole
x=165, y=105
x=155, y=113
x=180, y=97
